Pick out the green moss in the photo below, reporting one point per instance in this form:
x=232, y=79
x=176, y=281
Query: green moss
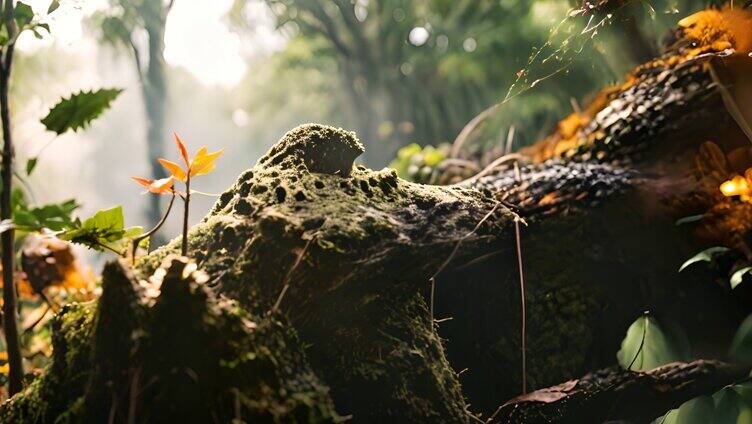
x=60, y=389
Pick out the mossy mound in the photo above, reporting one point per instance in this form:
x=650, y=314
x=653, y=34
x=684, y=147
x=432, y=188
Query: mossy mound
x=168, y=350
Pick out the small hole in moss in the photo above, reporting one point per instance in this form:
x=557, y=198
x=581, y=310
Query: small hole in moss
x=225, y=198
x=300, y=196
x=319, y=184
x=245, y=189
x=260, y=189
x=372, y=181
x=280, y=193
x=243, y=207
x=364, y=186
x=343, y=184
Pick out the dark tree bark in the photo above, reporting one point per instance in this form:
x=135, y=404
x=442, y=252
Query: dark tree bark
x=10, y=320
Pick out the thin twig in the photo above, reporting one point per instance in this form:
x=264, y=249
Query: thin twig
x=523, y=318
x=38, y=320
x=292, y=269
x=137, y=240
x=463, y=238
x=433, y=295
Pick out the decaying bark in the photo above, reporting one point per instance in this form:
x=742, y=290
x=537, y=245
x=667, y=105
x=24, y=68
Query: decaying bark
x=306, y=301
x=616, y=394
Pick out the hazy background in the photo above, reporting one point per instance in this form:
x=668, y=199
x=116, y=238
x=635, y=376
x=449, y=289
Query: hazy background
x=241, y=73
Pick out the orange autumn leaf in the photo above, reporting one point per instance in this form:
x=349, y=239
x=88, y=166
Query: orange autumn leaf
x=161, y=186
x=174, y=169
x=203, y=162
x=182, y=149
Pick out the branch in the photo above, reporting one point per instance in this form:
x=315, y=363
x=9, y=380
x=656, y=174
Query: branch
x=613, y=393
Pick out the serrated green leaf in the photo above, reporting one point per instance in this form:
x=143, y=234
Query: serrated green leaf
x=689, y=219
x=738, y=276
x=79, y=110
x=741, y=345
x=649, y=345
x=30, y=165
x=706, y=255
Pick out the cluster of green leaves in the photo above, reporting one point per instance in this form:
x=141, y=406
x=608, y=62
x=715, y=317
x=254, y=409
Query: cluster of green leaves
x=740, y=268
x=417, y=163
x=105, y=230
x=53, y=216
x=730, y=405
x=650, y=344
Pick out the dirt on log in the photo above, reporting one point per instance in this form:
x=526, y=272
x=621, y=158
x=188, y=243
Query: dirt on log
x=307, y=295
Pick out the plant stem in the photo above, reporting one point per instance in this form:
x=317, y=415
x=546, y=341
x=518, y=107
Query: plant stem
x=186, y=205
x=137, y=240
x=10, y=325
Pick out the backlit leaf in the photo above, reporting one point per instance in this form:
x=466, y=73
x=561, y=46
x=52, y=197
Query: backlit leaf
x=649, y=345
x=203, y=162
x=706, y=255
x=105, y=230
x=738, y=276
x=183, y=151
x=79, y=110
x=174, y=169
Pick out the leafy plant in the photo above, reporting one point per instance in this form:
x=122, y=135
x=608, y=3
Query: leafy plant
x=649, y=345
x=730, y=405
x=201, y=164
x=105, y=230
x=73, y=113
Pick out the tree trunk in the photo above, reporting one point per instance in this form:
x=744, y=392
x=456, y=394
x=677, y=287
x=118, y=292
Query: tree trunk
x=309, y=304
x=154, y=89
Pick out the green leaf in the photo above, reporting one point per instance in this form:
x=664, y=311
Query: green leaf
x=53, y=6
x=706, y=255
x=738, y=276
x=727, y=404
x=104, y=231
x=649, y=345
x=30, y=165
x=54, y=216
x=741, y=345
x=79, y=110
x=689, y=219
x=699, y=410
x=23, y=14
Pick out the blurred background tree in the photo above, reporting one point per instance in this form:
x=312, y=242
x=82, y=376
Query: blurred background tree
x=419, y=70
x=122, y=26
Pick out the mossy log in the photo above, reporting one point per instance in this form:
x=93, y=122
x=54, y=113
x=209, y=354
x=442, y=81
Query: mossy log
x=305, y=296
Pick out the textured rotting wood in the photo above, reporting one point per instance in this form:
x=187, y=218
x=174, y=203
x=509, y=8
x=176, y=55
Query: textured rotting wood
x=615, y=394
